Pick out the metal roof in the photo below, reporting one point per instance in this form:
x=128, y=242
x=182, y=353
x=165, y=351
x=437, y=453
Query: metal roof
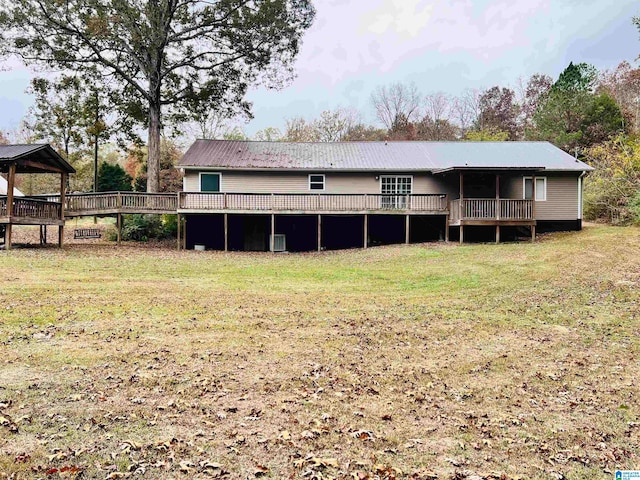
x=392, y=156
x=41, y=153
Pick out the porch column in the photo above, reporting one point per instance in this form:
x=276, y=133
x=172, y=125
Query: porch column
x=366, y=230
x=11, y=181
x=461, y=207
x=497, y=207
x=533, y=207
x=407, y=222
x=179, y=220
x=319, y=232
x=63, y=193
x=533, y=196
x=226, y=232
x=273, y=232
x=497, y=196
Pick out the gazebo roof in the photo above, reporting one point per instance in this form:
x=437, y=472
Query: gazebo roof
x=33, y=158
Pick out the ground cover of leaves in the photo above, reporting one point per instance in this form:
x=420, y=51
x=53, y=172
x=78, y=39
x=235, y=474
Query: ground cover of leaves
x=405, y=362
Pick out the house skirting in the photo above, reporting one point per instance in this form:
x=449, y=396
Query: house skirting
x=307, y=232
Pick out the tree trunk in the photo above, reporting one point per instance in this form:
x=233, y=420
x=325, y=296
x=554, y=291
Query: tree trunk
x=153, y=162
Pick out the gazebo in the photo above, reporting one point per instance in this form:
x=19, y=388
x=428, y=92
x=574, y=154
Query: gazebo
x=33, y=158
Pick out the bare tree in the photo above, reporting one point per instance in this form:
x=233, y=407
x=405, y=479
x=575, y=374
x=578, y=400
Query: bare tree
x=396, y=103
x=333, y=125
x=299, y=130
x=466, y=109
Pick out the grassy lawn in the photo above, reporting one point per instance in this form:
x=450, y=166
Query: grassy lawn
x=428, y=361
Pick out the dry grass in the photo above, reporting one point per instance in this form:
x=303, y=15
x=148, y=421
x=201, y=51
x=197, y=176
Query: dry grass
x=429, y=361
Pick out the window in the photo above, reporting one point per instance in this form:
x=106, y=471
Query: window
x=316, y=182
x=541, y=188
x=210, y=182
x=394, y=190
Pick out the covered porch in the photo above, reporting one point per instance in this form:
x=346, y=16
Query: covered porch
x=494, y=198
x=14, y=210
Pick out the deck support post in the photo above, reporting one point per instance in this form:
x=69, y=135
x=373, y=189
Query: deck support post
x=273, y=230
x=533, y=233
x=407, y=225
x=11, y=181
x=184, y=233
x=446, y=229
x=461, y=234
x=63, y=192
x=43, y=234
x=226, y=231
x=366, y=230
x=178, y=224
x=497, y=233
x=319, y=232
x=119, y=226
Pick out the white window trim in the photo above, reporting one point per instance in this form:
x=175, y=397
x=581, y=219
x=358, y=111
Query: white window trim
x=524, y=188
x=396, y=176
x=209, y=173
x=324, y=182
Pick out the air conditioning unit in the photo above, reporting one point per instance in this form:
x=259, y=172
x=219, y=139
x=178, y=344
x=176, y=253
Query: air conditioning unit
x=278, y=242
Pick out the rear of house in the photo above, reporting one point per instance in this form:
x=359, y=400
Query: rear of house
x=311, y=196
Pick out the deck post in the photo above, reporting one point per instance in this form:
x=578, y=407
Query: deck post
x=407, y=222
x=366, y=230
x=497, y=233
x=11, y=181
x=226, y=229
x=184, y=233
x=273, y=229
x=533, y=233
x=63, y=192
x=461, y=234
x=119, y=226
x=446, y=228
x=178, y=221
x=319, y=232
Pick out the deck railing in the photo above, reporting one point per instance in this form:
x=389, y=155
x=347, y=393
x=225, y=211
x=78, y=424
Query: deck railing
x=31, y=208
x=491, y=209
x=119, y=202
x=310, y=202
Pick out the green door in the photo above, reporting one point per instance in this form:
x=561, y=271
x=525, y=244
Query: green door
x=210, y=182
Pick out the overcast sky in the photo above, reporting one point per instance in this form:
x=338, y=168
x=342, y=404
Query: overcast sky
x=441, y=45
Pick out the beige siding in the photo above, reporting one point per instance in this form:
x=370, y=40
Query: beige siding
x=285, y=182
x=562, y=199
x=562, y=195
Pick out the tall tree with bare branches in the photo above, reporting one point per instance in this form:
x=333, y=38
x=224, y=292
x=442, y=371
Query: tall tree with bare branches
x=166, y=56
x=396, y=105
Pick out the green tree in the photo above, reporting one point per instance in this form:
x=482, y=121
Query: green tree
x=113, y=178
x=188, y=55
x=489, y=135
x=610, y=191
x=572, y=115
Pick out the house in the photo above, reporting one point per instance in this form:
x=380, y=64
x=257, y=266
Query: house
x=242, y=195
x=20, y=210
x=4, y=185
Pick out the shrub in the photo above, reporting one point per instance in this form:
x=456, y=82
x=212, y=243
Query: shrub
x=141, y=228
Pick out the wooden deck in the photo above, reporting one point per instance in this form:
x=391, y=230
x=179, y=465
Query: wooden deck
x=111, y=203
x=31, y=211
x=200, y=202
